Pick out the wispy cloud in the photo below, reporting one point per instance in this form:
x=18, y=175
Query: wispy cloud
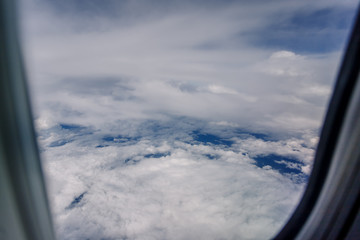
x=164, y=49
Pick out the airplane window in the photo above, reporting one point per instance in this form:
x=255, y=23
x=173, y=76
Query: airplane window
x=179, y=119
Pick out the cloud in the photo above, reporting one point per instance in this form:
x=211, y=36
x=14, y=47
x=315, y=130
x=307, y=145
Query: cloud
x=220, y=90
x=283, y=54
x=319, y=28
x=178, y=119
x=158, y=187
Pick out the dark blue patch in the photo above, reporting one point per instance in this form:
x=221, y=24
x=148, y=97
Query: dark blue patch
x=101, y=146
x=108, y=139
x=59, y=143
x=211, y=139
x=308, y=31
x=71, y=126
x=211, y=156
x=131, y=161
x=269, y=160
x=75, y=129
x=335, y=18
x=156, y=155
x=76, y=201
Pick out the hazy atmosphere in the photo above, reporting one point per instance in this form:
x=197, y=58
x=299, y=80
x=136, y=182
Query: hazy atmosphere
x=179, y=119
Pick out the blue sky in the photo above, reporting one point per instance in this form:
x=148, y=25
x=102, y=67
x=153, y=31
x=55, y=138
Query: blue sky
x=308, y=31
x=179, y=119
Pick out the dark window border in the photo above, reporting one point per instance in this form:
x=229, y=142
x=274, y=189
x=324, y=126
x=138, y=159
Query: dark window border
x=24, y=210
x=329, y=137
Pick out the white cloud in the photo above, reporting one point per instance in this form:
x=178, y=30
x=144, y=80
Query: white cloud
x=220, y=89
x=176, y=196
x=283, y=54
x=149, y=77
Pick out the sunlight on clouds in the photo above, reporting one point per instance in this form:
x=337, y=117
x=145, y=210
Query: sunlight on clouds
x=283, y=55
x=221, y=90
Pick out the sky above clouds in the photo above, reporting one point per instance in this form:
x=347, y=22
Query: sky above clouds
x=179, y=119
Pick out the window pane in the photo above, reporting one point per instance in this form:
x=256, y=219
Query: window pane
x=179, y=119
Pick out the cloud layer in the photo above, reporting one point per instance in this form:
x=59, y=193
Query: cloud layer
x=188, y=186
x=194, y=62
x=179, y=119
